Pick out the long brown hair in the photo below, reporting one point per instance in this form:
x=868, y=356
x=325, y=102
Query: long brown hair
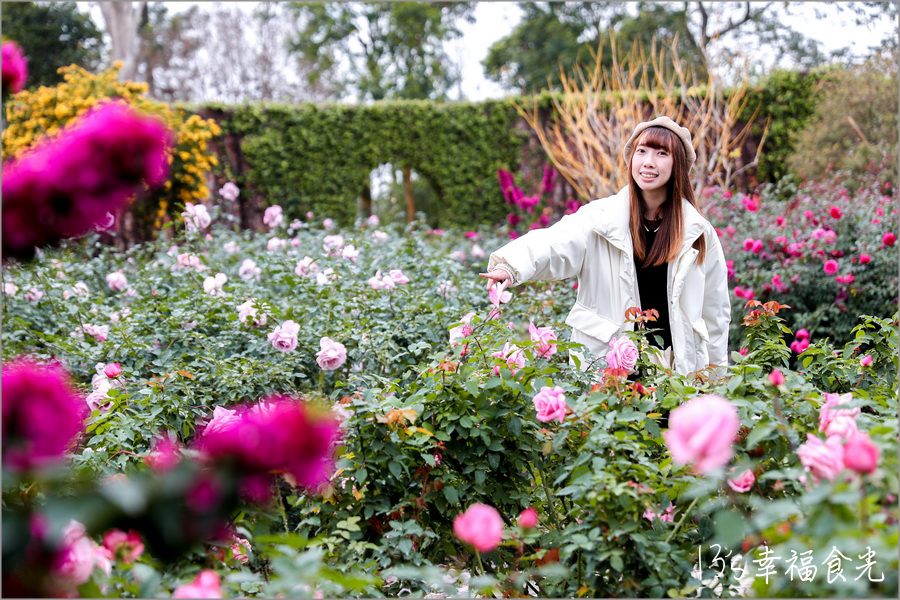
x=670, y=235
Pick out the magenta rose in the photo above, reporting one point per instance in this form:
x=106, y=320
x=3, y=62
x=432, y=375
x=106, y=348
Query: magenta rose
x=42, y=414
x=284, y=337
x=481, y=526
x=622, y=354
x=701, y=432
x=15, y=68
x=861, y=454
x=332, y=355
x=823, y=459
x=743, y=482
x=550, y=404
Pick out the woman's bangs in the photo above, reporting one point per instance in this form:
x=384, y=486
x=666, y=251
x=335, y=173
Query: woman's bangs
x=658, y=138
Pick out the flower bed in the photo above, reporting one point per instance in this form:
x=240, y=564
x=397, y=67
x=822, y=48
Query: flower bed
x=422, y=397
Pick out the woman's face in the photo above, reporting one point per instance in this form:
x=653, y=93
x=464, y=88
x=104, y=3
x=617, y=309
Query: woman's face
x=651, y=167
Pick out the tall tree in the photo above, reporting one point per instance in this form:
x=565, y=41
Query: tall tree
x=123, y=21
x=381, y=50
x=551, y=36
x=52, y=35
x=554, y=36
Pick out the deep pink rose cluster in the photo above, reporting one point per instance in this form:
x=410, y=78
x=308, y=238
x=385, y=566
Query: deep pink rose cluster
x=67, y=184
x=277, y=435
x=845, y=446
x=42, y=415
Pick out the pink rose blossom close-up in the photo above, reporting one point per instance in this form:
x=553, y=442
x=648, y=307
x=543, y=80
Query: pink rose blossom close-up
x=743, y=482
x=861, y=454
x=528, y=518
x=284, y=338
x=273, y=217
x=112, y=370
x=543, y=335
x=550, y=404
x=332, y=355
x=831, y=267
x=824, y=460
x=776, y=377
x=206, y=584
x=481, y=526
x=124, y=546
x=701, y=433
x=829, y=412
x=866, y=360
x=622, y=354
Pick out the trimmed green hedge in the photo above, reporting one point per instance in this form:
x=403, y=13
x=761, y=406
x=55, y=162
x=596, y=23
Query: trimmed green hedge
x=319, y=157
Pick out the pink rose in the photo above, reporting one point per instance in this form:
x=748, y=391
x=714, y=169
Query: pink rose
x=622, y=354
x=866, y=360
x=273, y=217
x=126, y=546
x=164, y=455
x=861, y=454
x=75, y=562
x=823, y=460
x=828, y=413
x=463, y=330
x=117, y=281
x=239, y=549
x=528, y=519
x=841, y=426
x=701, y=432
x=205, y=585
x=332, y=354
x=888, y=239
x=229, y=191
x=743, y=482
x=481, y=526
x=284, y=337
x=543, y=335
x=550, y=404
x=514, y=356
x=831, y=267
x=112, y=370
x=398, y=277
x=864, y=259
x=802, y=334
x=327, y=223
x=776, y=377
x=223, y=419
x=498, y=294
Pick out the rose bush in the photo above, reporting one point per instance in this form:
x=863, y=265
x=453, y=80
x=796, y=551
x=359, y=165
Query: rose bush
x=435, y=405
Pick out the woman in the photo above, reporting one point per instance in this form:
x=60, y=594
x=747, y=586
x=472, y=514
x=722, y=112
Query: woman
x=647, y=246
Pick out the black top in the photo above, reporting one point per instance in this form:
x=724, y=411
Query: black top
x=652, y=283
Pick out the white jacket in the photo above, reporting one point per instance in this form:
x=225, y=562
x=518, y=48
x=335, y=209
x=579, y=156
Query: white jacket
x=595, y=245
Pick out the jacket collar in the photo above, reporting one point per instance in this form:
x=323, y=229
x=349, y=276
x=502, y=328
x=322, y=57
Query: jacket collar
x=611, y=215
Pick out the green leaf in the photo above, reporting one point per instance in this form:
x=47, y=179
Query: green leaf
x=395, y=469
x=616, y=563
x=451, y=494
x=758, y=433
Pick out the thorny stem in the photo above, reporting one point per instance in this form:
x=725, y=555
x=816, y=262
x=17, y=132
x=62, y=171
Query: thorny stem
x=683, y=517
x=550, y=507
x=783, y=426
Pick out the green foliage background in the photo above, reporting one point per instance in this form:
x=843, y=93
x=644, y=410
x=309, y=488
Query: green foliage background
x=319, y=157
